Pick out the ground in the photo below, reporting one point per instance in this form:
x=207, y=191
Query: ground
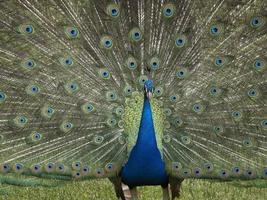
x=103, y=190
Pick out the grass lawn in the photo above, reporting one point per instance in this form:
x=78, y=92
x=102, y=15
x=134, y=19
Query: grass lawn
x=103, y=190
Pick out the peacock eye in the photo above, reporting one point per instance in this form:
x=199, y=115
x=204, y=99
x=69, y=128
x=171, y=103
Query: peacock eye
x=131, y=63
x=106, y=42
x=223, y=174
x=18, y=168
x=209, y=167
x=72, y=87
x=66, y=61
x=180, y=41
x=237, y=115
x=178, y=122
x=135, y=35
x=236, y=170
x=264, y=123
x=28, y=64
x=182, y=73
x=215, y=30
x=253, y=93
x=173, y=98
x=158, y=91
x=219, y=61
x=247, y=143
x=60, y=167
x=113, y=10
x=128, y=90
x=2, y=97
x=259, y=64
x=29, y=29
x=111, y=96
x=104, y=73
x=66, y=126
x=36, y=136
x=98, y=139
x=26, y=29
x=186, y=139
x=256, y=22
x=198, y=108
x=168, y=10
x=50, y=167
x=72, y=32
x=154, y=63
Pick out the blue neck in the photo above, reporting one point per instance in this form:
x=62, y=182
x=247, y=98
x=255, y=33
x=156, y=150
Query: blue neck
x=146, y=137
x=145, y=165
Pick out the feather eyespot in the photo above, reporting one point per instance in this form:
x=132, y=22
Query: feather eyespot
x=198, y=108
x=223, y=174
x=33, y=90
x=264, y=172
x=2, y=97
x=26, y=29
x=167, y=138
x=72, y=87
x=178, y=122
x=209, y=167
x=215, y=30
x=87, y=108
x=76, y=165
x=66, y=61
x=4, y=168
x=66, y=126
x=85, y=170
x=106, y=42
x=253, y=93
x=264, y=123
x=112, y=122
x=104, y=73
x=173, y=98
x=182, y=73
x=259, y=64
x=98, y=139
x=111, y=96
x=218, y=129
x=18, y=168
x=60, y=167
x=113, y=10
x=50, y=167
x=168, y=10
x=257, y=22
x=128, y=90
x=185, y=139
x=237, y=115
x=236, y=170
x=186, y=172
x=72, y=32
x=47, y=112
x=36, y=169
x=135, y=35
x=197, y=172
x=180, y=41
x=215, y=91
x=131, y=63
x=158, y=91
x=36, y=136
x=154, y=63
x=247, y=143
x=176, y=166
x=249, y=173
x=28, y=64
x=21, y=121
x=142, y=79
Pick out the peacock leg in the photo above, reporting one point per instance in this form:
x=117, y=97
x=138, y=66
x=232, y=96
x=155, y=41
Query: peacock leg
x=134, y=193
x=165, y=192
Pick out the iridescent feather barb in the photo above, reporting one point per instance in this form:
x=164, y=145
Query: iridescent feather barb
x=72, y=86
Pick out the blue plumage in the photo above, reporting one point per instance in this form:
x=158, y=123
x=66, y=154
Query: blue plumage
x=145, y=165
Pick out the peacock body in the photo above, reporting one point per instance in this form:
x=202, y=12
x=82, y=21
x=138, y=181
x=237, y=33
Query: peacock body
x=77, y=100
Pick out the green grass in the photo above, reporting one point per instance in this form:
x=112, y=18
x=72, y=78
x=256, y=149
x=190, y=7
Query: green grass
x=103, y=190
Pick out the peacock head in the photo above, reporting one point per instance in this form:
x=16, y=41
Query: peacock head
x=149, y=88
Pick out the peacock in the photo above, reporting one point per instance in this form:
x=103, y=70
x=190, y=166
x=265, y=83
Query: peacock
x=140, y=92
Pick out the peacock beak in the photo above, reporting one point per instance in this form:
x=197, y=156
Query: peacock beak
x=149, y=93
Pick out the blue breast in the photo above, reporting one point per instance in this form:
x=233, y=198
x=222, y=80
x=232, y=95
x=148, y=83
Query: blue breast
x=145, y=165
